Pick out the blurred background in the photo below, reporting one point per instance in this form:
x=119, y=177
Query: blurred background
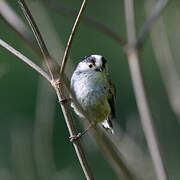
x=34, y=142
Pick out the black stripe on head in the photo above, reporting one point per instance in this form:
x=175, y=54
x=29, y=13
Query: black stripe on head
x=90, y=59
x=103, y=62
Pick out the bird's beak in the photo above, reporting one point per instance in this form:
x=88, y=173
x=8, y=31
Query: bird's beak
x=99, y=69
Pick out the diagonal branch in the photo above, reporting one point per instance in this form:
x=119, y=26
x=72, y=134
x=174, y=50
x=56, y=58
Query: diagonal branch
x=74, y=29
x=25, y=59
x=34, y=28
x=48, y=59
x=159, y=7
x=60, y=94
x=141, y=95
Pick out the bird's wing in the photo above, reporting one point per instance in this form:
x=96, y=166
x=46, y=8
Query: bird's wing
x=111, y=99
x=107, y=124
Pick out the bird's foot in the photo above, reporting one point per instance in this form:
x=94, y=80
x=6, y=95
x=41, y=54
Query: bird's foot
x=75, y=137
x=65, y=100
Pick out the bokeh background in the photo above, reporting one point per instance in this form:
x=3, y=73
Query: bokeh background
x=34, y=141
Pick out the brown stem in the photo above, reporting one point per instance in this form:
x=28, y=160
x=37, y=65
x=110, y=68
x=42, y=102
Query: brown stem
x=37, y=35
x=72, y=131
x=140, y=93
x=25, y=59
x=74, y=29
x=59, y=91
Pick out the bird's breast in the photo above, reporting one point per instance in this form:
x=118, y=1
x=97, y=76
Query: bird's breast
x=89, y=90
x=91, y=93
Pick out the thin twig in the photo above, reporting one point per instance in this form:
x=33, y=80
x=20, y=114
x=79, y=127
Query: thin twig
x=140, y=93
x=37, y=35
x=16, y=24
x=60, y=94
x=34, y=28
x=25, y=59
x=66, y=11
x=74, y=29
x=72, y=131
x=159, y=7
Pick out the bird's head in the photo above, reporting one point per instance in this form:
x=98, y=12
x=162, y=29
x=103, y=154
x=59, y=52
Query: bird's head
x=92, y=63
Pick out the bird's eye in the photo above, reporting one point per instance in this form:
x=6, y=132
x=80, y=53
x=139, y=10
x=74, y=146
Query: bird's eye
x=90, y=65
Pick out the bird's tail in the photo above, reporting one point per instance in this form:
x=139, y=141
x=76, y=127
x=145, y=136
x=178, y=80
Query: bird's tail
x=107, y=124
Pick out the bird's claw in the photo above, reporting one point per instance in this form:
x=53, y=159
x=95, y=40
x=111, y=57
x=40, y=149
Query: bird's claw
x=62, y=101
x=75, y=137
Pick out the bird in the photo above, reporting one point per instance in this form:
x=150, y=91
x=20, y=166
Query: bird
x=94, y=91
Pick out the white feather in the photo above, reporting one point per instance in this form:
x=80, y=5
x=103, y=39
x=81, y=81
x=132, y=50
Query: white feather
x=106, y=126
